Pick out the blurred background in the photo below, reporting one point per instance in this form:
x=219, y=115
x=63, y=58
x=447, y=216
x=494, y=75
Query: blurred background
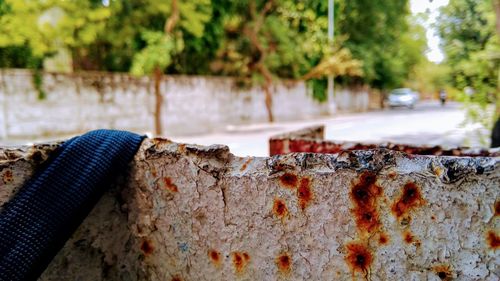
x=422, y=72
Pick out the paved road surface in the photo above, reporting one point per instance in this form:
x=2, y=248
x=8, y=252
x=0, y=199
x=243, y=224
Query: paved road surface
x=428, y=123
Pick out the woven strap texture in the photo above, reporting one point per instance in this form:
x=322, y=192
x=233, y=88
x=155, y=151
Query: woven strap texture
x=40, y=218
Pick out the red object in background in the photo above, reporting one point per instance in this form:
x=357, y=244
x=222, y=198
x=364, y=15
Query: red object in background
x=312, y=140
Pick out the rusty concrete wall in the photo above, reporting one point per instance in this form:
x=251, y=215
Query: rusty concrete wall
x=18, y=164
x=184, y=212
x=311, y=139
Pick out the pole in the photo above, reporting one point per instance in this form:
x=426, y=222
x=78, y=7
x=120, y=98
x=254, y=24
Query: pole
x=331, y=81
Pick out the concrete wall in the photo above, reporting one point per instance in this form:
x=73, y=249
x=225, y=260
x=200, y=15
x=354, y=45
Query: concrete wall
x=312, y=140
x=346, y=101
x=80, y=102
x=185, y=212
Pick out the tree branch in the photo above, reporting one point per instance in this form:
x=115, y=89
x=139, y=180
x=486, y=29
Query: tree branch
x=496, y=6
x=173, y=19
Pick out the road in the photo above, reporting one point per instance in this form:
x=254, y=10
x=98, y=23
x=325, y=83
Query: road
x=428, y=123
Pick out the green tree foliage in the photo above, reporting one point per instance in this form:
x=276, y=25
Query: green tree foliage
x=379, y=33
x=425, y=76
x=266, y=40
x=157, y=52
x=45, y=26
x=18, y=57
x=258, y=41
x=162, y=33
x=467, y=28
x=164, y=41
x=135, y=33
x=472, y=49
x=429, y=78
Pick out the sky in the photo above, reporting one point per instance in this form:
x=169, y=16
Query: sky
x=431, y=7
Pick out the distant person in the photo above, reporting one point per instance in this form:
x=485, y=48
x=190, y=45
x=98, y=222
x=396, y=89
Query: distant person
x=442, y=96
x=495, y=135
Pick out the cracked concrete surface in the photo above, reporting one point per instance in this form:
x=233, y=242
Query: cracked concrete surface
x=185, y=212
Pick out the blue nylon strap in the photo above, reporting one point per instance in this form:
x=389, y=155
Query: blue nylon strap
x=35, y=224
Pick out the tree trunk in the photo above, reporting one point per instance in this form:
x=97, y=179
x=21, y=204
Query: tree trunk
x=170, y=24
x=252, y=31
x=496, y=6
x=173, y=19
x=382, y=99
x=158, y=101
x=269, y=102
x=267, y=90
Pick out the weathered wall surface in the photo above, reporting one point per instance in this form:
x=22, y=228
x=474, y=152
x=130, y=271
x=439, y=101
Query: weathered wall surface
x=18, y=164
x=80, y=102
x=185, y=212
x=312, y=140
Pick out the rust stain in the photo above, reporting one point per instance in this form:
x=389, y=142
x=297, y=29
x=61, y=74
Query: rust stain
x=240, y=261
x=147, y=247
x=433, y=218
x=359, y=258
x=170, y=185
x=438, y=171
x=215, y=257
x=245, y=165
x=493, y=240
x=301, y=142
x=279, y=208
x=411, y=198
x=367, y=219
x=279, y=167
x=275, y=147
x=383, y=239
x=443, y=271
x=289, y=180
x=284, y=263
x=158, y=142
x=497, y=208
x=408, y=237
x=392, y=175
x=176, y=278
x=417, y=243
x=7, y=176
x=364, y=195
x=305, y=193
x=181, y=148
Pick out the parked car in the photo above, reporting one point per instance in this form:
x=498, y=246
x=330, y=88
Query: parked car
x=402, y=97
